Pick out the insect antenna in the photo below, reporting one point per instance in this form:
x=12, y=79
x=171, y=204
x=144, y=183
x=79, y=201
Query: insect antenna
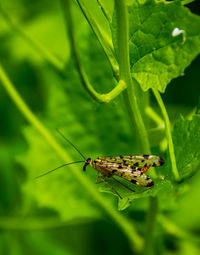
x=71, y=144
x=80, y=161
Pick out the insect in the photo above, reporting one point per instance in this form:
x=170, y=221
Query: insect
x=130, y=168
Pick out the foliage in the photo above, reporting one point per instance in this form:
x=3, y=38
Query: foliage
x=65, y=212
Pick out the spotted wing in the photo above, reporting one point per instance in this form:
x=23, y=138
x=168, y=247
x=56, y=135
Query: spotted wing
x=140, y=161
x=128, y=172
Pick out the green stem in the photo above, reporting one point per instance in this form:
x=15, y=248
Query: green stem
x=103, y=38
x=151, y=220
x=102, y=98
x=168, y=133
x=154, y=116
x=105, y=13
x=48, y=56
x=125, y=75
x=122, y=222
x=131, y=99
x=136, y=118
x=31, y=223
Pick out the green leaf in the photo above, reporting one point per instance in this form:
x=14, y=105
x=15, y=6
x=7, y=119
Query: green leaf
x=162, y=188
x=188, y=211
x=186, y=137
x=156, y=56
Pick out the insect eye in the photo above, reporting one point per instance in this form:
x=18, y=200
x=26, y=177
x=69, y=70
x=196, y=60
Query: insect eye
x=86, y=164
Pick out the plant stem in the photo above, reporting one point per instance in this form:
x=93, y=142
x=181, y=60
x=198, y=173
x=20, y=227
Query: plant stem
x=131, y=101
x=168, y=133
x=124, y=66
x=154, y=116
x=28, y=223
x=122, y=222
x=103, y=38
x=151, y=220
x=101, y=98
x=105, y=13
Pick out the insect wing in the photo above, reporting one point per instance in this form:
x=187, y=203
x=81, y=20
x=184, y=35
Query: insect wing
x=130, y=173
x=135, y=160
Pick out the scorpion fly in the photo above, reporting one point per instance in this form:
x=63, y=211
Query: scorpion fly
x=131, y=168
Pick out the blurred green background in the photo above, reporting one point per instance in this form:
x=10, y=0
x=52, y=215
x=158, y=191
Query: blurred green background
x=61, y=102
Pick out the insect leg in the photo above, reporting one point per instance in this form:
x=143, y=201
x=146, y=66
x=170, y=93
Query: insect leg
x=123, y=184
x=102, y=180
x=97, y=177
